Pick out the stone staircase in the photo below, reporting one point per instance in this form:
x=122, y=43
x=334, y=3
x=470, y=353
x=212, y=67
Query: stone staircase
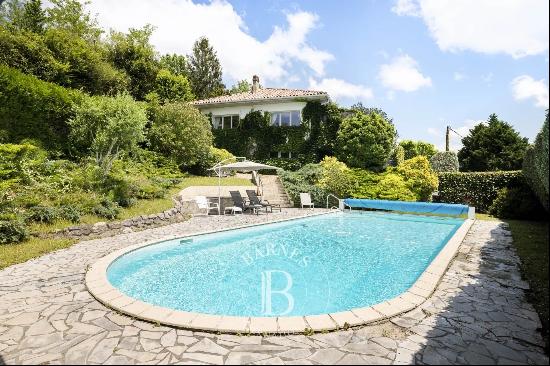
x=273, y=191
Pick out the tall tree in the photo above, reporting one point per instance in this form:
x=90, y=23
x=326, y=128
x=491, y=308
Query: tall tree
x=205, y=71
x=359, y=107
x=490, y=146
x=417, y=148
x=133, y=53
x=71, y=15
x=176, y=64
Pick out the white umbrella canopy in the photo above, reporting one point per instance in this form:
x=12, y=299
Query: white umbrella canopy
x=243, y=166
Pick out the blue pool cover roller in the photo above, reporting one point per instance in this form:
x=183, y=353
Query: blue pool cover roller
x=419, y=207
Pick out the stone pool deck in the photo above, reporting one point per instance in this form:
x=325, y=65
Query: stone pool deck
x=477, y=314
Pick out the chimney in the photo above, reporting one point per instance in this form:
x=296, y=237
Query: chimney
x=255, y=83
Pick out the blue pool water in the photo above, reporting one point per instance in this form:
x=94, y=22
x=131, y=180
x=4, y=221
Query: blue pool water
x=316, y=265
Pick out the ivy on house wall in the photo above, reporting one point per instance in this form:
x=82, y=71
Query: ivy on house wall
x=256, y=138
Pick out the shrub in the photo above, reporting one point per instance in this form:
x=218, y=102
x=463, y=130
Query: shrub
x=19, y=163
x=181, y=132
x=393, y=187
x=42, y=214
x=172, y=88
x=419, y=177
x=32, y=108
x=417, y=148
x=107, y=209
x=69, y=212
x=535, y=165
x=475, y=189
x=294, y=184
x=516, y=203
x=397, y=156
x=108, y=127
x=12, y=231
x=124, y=193
x=26, y=51
x=336, y=177
x=444, y=161
x=214, y=156
x=365, y=140
x=283, y=163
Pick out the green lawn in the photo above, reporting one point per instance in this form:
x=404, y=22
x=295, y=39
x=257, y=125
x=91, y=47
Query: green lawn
x=531, y=242
x=34, y=247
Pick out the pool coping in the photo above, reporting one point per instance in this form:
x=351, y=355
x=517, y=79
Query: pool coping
x=99, y=287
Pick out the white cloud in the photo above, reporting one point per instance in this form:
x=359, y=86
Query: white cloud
x=525, y=87
x=406, y=7
x=341, y=89
x=458, y=76
x=515, y=27
x=179, y=23
x=403, y=74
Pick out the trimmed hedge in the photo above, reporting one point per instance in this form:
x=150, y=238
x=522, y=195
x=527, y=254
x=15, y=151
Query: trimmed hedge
x=35, y=109
x=535, y=165
x=478, y=189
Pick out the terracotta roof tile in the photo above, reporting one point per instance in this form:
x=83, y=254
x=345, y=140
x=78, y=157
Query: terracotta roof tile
x=261, y=94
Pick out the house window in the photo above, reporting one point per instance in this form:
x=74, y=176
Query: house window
x=281, y=154
x=225, y=122
x=286, y=119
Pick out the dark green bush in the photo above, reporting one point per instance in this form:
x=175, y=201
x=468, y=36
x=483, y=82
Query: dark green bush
x=32, y=108
x=536, y=165
x=69, y=212
x=107, y=209
x=295, y=183
x=42, y=214
x=124, y=193
x=517, y=203
x=12, y=231
x=476, y=189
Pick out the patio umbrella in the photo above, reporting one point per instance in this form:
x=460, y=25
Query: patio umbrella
x=239, y=166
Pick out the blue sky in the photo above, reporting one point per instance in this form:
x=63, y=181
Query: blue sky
x=427, y=63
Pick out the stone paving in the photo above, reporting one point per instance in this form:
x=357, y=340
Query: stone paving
x=477, y=315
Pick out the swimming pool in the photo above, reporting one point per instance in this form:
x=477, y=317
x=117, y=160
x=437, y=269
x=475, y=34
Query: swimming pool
x=304, y=267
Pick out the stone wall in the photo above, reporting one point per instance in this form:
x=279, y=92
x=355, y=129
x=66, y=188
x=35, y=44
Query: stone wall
x=181, y=212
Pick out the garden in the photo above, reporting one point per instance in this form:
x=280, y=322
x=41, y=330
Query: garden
x=98, y=127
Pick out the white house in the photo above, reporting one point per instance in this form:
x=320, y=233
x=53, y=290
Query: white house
x=284, y=105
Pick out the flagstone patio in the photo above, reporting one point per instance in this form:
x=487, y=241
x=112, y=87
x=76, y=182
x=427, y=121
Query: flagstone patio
x=478, y=314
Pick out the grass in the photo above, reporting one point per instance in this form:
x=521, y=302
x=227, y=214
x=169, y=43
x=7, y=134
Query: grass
x=34, y=247
x=531, y=242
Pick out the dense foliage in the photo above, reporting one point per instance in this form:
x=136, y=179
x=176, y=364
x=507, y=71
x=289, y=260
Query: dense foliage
x=180, y=131
x=107, y=127
x=492, y=146
x=413, y=149
x=365, y=140
x=517, y=202
x=419, y=176
x=536, y=165
x=476, y=189
x=411, y=181
x=35, y=109
x=444, y=161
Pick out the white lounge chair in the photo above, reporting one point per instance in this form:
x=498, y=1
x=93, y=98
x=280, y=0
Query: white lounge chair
x=305, y=200
x=205, y=204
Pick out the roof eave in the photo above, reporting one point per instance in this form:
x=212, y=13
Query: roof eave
x=323, y=97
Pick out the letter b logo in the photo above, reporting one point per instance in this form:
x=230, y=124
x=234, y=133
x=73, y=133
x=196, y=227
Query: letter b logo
x=268, y=292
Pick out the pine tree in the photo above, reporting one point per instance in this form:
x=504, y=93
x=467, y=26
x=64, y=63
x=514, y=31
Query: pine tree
x=33, y=17
x=205, y=71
